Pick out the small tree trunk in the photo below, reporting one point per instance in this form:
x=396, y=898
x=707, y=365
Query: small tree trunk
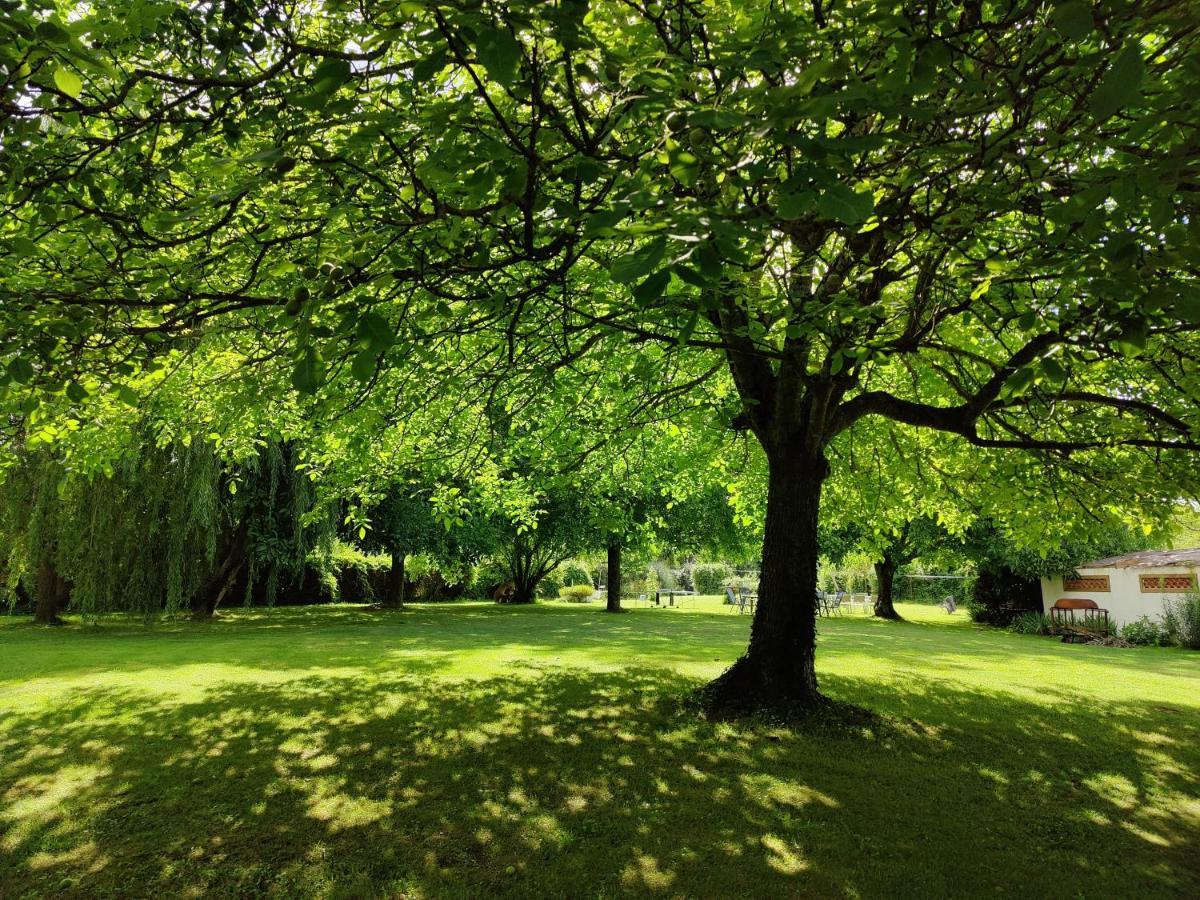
x=778, y=668
x=395, y=582
x=614, y=574
x=51, y=593
x=213, y=591
x=885, y=573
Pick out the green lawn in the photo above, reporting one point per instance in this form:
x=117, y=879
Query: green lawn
x=471, y=749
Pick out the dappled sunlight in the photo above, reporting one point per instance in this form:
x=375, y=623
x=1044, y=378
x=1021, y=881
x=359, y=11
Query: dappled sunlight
x=445, y=779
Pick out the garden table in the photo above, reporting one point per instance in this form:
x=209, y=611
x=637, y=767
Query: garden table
x=671, y=595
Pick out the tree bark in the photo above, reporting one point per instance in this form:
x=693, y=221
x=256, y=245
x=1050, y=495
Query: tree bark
x=395, y=583
x=614, y=574
x=213, y=591
x=778, y=668
x=52, y=594
x=885, y=573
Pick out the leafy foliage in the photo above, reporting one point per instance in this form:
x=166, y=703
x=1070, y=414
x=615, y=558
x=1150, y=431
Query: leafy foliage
x=1181, y=620
x=710, y=578
x=577, y=593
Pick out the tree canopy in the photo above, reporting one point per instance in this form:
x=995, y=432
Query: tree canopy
x=977, y=219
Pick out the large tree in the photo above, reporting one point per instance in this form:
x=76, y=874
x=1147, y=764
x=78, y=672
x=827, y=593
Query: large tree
x=974, y=218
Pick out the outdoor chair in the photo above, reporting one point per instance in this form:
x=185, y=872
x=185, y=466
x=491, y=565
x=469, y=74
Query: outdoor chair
x=1079, y=620
x=746, y=599
x=741, y=599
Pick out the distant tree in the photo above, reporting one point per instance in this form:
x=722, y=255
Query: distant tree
x=1008, y=573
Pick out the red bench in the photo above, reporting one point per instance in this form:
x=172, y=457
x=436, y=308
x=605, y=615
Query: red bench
x=1079, y=620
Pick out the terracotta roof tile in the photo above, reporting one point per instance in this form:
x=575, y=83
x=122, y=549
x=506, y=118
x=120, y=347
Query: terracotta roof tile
x=1146, y=559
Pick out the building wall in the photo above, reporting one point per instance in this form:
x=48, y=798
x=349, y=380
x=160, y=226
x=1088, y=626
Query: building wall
x=1125, y=600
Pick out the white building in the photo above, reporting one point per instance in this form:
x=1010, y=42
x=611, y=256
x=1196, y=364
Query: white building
x=1129, y=586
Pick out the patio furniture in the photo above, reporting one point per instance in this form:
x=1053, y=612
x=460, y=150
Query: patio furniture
x=746, y=600
x=830, y=603
x=1079, y=620
x=671, y=595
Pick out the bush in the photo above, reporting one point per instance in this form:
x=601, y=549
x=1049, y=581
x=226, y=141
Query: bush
x=347, y=574
x=1143, y=631
x=488, y=575
x=574, y=572
x=1030, y=623
x=549, y=586
x=1181, y=620
x=577, y=593
x=710, y=578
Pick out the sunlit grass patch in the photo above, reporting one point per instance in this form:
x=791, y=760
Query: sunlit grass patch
x=472, y=750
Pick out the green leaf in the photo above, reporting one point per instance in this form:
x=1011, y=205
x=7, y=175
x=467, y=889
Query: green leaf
x=21, y=370
x=688, y=327
x=500, y=54
x=849, y=207
x=430, y=65
x=22, y=246
x=653, y=286
x=1121, y=84
x=331, y=74
x=1054, y=370
x=1188, y=306
x=1132, y=341
x=308, y=372
x=603, y=222
x=685, y=167
x=267, y=157
x=794, y=204
x=52, y=32
x=375, y=332
x=1018, y=383
x=640, y=262
x=1073, y=19
x=363, y=365
x=68, y=82
x=76, y=392
x=717, y=118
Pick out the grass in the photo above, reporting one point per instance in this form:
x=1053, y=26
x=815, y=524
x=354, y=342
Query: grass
x=470, y=749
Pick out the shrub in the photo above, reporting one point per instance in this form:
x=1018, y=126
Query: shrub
x=1181, y=620
x=1143, y=631
x=489, y=574
x=549, y=586
x=345, y=573
x=577, y=593
x=709, y=578
x=574, y=572
x=1030, y=623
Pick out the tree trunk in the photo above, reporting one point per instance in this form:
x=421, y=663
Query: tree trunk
x=52, y=594
x=213, y=591
x=525, y=573
x=614, y=574
x=395, y=582
x=777, y=670
x=885, y=573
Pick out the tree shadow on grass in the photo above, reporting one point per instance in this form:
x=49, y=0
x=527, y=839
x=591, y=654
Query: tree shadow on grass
x=553, y=782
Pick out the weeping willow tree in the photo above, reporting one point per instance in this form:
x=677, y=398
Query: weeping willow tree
x=164, y=528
